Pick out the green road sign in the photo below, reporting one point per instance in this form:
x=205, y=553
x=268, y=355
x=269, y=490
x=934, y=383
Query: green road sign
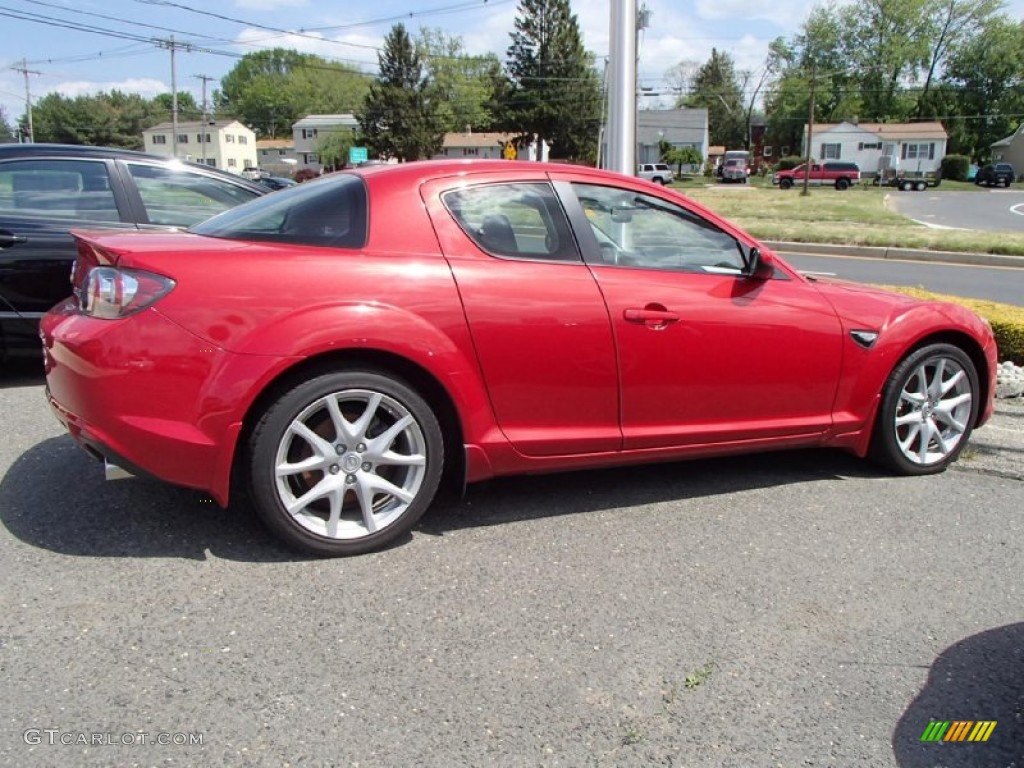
x=357, y=155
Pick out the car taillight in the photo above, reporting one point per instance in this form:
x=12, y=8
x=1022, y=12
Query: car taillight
x=110, y=292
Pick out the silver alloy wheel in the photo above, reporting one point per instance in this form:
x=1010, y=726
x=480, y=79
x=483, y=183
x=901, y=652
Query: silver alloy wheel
x=934, y=410
x=350, y=464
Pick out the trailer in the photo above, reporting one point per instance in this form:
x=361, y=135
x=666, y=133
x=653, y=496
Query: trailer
x=908, y=181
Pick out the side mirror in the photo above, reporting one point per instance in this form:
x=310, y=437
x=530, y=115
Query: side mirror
x=760, y=266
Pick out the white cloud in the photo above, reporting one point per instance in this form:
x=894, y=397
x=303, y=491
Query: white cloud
x=144, y=86
x=269, y=5
x=786, y=13
x=351, y=48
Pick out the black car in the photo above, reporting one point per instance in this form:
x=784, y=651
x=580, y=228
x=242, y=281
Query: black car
x=46, y=190
x=1000, y=173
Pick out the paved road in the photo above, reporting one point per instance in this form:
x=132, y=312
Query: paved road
x=995, y=210
x=788, y=609
x=993, y=283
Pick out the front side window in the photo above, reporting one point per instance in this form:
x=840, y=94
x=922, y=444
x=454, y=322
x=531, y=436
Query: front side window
x=639, y=230
x=332, y=212
x=523, y=220
x=57, y=189
x=179, y=197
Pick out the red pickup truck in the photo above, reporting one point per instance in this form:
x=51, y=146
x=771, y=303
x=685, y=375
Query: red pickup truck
x=837, y=174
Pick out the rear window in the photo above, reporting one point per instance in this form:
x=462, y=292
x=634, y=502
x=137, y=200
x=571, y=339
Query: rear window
x=330, y=212
x=1004, y=167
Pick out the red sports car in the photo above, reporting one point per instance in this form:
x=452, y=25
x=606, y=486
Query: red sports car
x=334, y=350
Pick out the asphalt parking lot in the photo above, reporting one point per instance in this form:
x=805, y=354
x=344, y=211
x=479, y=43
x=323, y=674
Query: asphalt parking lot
x=798, y=609
x=989, y=210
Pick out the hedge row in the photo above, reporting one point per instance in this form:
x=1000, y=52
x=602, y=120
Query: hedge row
x=1007, y=320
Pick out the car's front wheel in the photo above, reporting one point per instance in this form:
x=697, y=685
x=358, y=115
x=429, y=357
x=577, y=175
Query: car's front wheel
x=345, y=463
x=928, y=409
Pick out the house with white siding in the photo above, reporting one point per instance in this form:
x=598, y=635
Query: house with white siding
x=912, y=147
x=225, y=144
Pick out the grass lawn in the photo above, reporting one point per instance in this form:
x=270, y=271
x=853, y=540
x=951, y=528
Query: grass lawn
x=856, y=216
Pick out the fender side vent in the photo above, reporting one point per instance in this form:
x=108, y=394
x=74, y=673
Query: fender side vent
x=866, y=339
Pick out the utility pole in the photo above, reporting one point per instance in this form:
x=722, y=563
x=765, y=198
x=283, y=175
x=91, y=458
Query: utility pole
x=810, y=134
x=206, y=117
x=28, y=95
x=621, y=91
x=173, y=46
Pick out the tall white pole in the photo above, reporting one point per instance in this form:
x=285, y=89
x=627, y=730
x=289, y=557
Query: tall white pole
x=622, y=88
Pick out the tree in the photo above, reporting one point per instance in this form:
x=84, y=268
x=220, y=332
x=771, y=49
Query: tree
x=680, y=156
x=6, y=131
x=163, y=106
x=399, y=118
x=462, y=85
x=556, y=93
x=112, y=119
x=270, y=90
x=716, y=90
x=332, y=148
x=680, y=78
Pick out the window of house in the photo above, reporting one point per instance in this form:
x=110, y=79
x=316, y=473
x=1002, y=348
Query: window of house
x=183, y=138
x=646, y=232
x=920, y=151
x=309, y=133
x=767, y=151
x=861, y=146
x=229, y=138
x=232, y=163
x=309, y=158
x=522, y=220
x=211, y=162
x=159, y=138
x=243, y=139
x=785, y=151
x=282, y=152
x=831, y=151
x=470, y=151
x=199, y=138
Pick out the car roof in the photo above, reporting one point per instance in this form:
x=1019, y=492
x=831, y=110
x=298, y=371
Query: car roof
x=11, y=151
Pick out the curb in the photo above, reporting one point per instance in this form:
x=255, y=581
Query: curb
x=903, y=254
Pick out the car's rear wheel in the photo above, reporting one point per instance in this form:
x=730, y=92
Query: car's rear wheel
x=345, y=463
x=928, y=409
x=842, y=184
x=920, y=186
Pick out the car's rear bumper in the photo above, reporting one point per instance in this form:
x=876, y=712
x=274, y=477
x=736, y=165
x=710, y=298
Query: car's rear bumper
x=135, y=392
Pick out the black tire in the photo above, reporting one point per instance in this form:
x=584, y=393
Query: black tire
x=842, y=184
x=920, y=186
x=659, y=180
x=785, y=183
x=360, y=469
x=904, y=186
x=886, y=448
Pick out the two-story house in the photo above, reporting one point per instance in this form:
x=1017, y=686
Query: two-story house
x=308, y=131
x=225, y=144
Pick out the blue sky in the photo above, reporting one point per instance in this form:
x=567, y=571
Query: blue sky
x=74, y=61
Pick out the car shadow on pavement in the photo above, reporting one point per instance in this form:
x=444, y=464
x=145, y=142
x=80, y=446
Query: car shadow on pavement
x=980, y=678
x=54, y=497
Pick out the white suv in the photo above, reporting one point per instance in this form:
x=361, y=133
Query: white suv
x=659, y=173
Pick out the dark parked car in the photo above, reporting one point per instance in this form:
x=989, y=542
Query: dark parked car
x=46, y=190
x=1000, y=173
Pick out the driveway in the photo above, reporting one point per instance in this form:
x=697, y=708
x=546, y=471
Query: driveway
x=994, y=210
x=789, y=609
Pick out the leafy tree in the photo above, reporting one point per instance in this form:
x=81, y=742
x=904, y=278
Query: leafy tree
x=270, y=90
x=680, y=156
x=6, y=131
x=555, y=91
x=332, y=147
x=163, y=106
x=112, y=119
x=680, y=78
x=399, y=118
x=983, y=87
x=715, y=89
x=462, y=85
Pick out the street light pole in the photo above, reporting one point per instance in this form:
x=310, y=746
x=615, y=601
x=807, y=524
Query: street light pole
x=622, y=88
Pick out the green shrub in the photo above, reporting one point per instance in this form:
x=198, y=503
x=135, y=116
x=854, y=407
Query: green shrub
x=789, y=163
x=955, y=167
x=1007, y=320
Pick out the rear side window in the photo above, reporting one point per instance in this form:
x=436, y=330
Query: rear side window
x=57, y=189
x=521, y=220
x=179, y=197
x=330, y=212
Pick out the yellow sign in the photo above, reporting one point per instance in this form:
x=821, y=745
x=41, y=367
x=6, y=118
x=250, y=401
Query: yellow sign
x=510, y=151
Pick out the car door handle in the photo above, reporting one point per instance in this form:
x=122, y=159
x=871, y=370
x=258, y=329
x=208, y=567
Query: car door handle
x=8, y=238
x=653, y=316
